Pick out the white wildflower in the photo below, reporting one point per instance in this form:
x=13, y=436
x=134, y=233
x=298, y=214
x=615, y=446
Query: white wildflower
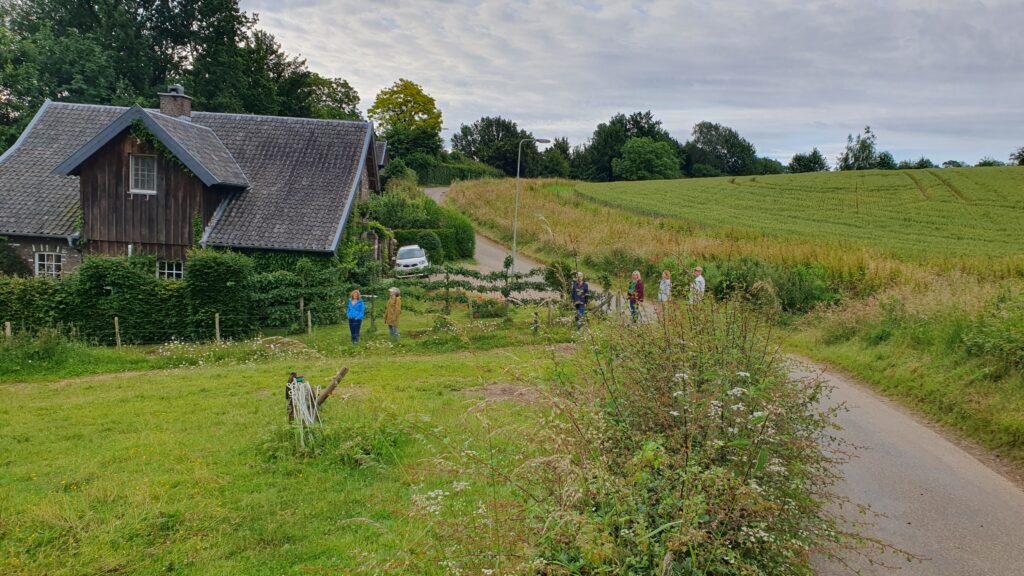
x=673, y=412
x=743, y=374
x=459, y=486
x=682, y=376
x=678, y=393
x=737, y=392
x=739, y=406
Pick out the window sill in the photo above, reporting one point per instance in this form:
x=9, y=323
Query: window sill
x=143, y=192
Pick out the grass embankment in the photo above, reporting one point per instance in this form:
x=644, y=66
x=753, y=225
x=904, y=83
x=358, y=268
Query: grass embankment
x=938, y=327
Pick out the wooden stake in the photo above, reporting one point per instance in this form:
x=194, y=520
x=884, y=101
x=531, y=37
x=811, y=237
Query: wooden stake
x=309, y=322
x=216, y=327
x=117, y=331
x=324, y=394
x=7, y=329
x=302, y=304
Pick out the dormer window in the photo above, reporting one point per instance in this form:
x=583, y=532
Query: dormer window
x=143, y=174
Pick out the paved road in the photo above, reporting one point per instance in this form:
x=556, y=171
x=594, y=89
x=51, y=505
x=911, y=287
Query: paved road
x=929, y=496
x=939, y=502
x=490, y=255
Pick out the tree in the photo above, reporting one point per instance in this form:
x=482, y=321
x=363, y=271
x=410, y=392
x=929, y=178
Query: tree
x=554, y=162
x=495, y=142
x=988, y=161
x=720, y=149
x=646, y=159
x=333, y=99
x=404, y=141
x=405, y=104
x=767, y=165
x=811, y=162
x=594, y=161
x=885, y=161
x=1017, y=158
x=954, y=164
x=860, y=152
x=920, y=163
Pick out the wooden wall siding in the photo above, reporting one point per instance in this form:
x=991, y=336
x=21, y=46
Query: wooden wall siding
x=159, y=224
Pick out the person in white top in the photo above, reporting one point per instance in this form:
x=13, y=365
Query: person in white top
x=665, y=287
x=697, y=286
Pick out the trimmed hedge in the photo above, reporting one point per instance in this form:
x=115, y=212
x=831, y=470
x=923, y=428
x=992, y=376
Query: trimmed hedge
x=411, y=217
x=435, y=170
x=155, y=310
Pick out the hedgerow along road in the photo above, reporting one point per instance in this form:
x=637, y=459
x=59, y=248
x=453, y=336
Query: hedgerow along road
x=928, y=496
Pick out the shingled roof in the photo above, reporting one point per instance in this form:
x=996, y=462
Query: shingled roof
x=289, y=182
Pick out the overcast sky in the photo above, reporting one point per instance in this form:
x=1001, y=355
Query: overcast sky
x=940, y=78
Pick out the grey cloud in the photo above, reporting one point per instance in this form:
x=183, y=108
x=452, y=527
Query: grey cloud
x=936, y=78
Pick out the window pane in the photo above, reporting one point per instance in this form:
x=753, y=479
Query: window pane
x=143, y=174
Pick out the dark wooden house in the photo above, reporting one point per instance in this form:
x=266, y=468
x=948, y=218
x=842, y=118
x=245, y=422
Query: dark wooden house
x=87, y=179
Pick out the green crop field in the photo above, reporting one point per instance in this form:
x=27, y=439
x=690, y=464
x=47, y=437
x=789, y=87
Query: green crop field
x=911, y=214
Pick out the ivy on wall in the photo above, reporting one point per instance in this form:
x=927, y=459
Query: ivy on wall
x=138, y=130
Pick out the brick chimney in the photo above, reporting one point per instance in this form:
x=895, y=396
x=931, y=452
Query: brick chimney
x=174, y=102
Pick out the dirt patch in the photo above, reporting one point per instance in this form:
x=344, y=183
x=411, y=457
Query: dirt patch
x=506, y=391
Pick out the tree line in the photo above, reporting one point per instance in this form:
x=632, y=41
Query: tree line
x=124, y=52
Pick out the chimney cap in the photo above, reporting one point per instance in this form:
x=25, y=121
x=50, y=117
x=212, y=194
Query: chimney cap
x=176, y=89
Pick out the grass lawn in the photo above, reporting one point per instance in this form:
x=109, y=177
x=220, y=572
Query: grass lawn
x=190, y=471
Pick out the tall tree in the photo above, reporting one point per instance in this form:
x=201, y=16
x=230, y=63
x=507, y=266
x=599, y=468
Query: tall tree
x=333, y=99
x=404, y=103
x=646, y=159
x=861, y=153
x=495, y=142
x=717, y=148
x=814, y=161
x=594, y=160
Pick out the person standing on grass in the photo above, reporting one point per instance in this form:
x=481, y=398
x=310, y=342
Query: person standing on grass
x=355, y=311
x=393, y=311
x=580, y=298
x=697, y=286
x=635, y=293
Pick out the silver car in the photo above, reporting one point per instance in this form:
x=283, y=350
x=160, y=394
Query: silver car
x=410, y=259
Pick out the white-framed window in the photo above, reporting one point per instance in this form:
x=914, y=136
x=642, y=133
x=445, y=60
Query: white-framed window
x=170, y=269
x=143, y=174
x=49, y=264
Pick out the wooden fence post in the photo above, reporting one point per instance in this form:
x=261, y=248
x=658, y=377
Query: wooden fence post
x=309, y=322
x=117, y=331
x=302, y=305
x=216, y=327
x=7, y=330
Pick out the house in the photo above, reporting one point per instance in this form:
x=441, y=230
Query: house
x=87, y=179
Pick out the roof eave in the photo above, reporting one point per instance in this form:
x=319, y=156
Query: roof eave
x=355, y=187
x=73, y=164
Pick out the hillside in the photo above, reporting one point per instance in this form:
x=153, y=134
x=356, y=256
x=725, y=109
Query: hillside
x=910, y=214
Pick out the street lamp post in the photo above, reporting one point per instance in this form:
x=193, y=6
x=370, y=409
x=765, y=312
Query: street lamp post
x=515, y=217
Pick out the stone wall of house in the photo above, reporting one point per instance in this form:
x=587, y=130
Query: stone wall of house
x=28, y=246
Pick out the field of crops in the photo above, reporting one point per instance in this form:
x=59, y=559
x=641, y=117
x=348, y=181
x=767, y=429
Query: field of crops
x=910, y=214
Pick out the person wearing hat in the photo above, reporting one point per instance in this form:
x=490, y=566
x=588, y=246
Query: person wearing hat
x=393, y=311
x=697, y=286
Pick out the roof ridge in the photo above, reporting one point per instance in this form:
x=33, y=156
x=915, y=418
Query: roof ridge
x=287, y=118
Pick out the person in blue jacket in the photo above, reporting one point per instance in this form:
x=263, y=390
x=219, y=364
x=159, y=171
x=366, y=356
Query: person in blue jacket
x=580, y=297
x=355, y=311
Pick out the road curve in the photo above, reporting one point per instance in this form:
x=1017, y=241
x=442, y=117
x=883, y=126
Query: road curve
x=928, y=496
x=490, y=255
x=936, y=500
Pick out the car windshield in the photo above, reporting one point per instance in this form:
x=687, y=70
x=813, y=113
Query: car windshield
x=407, y=253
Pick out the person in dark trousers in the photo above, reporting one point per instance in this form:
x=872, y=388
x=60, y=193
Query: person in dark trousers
x=355, y=311
x=635, y=293
x=580, y=298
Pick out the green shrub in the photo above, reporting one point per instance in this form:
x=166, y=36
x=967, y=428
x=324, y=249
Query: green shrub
x=218, y=282
x=461, y=238
x=429, y=241
x=794, y=288
x=397, y=170
x=441, y=171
